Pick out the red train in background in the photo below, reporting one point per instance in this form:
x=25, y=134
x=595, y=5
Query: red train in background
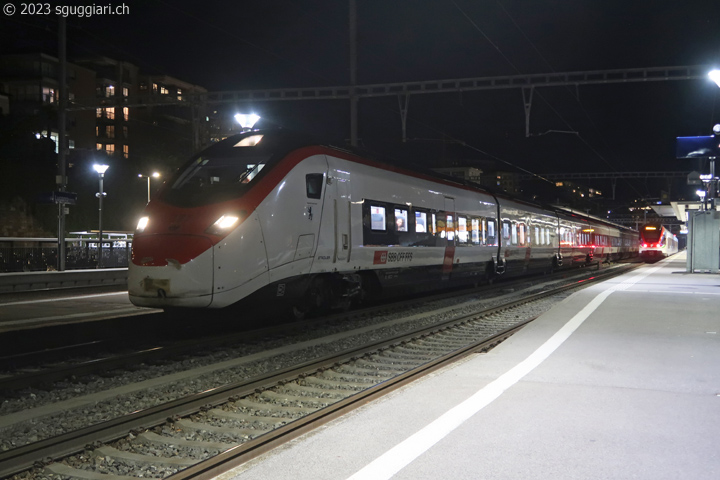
x=657, y=242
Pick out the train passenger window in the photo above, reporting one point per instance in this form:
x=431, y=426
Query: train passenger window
x=313, y=184
x=514, y=233
x=522, y=234
x=433, y=224
x=401, y=220
x=450, y=228
x=506, y=230
x=377, y=218
x=420, y=222
x=462, y=230
x=475, y=225
x=440, y=226
x=491, y=235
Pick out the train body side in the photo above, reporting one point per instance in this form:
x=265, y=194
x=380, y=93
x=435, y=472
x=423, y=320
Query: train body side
x=323, y=226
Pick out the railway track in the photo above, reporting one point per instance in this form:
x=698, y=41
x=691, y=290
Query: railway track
x=194, y=436
x=47, y=365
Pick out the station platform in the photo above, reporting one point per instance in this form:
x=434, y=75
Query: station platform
x=620, y=380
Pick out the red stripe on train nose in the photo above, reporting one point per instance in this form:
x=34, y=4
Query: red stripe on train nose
x=156, y=250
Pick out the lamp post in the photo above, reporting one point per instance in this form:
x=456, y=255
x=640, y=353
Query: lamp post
x=100, y=169
x=152, y=175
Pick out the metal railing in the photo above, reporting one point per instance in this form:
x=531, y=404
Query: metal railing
x=21, y=254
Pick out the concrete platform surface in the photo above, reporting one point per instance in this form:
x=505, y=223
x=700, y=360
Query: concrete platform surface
x=621, y=380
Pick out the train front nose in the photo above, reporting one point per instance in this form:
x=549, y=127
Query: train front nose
x=171, y=271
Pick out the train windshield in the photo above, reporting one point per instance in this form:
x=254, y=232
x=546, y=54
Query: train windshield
x=651, y=235
x=226, y=170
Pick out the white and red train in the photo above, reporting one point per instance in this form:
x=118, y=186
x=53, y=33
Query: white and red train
x=657, y=242
x=268, y=216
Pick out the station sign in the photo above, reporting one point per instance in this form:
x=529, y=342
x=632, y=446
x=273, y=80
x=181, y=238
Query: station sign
x=62, y=198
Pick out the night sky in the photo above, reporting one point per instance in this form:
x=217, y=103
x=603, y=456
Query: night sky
x=224, y=45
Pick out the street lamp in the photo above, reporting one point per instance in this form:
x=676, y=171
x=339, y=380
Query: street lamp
x=702, y=194
x=715, y=76
x=100, y=169
x=153, y=175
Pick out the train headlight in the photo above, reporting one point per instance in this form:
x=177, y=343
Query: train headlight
x=142, y=223
x=223, y=224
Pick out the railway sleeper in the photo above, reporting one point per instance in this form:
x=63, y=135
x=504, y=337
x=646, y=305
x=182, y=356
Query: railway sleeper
x=283, y=398
x=66, y=471
x=437, y=343
x=269, y=407
x=345, y=380
x=388, y=359
x=411, y=357
x=159, y=440
x=330, y=392
x=139, y=459
x=250, y=418
x=191, y=426
x=364, y=367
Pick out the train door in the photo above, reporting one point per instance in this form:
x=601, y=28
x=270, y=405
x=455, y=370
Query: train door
x=307, y=233
x=450, y=227
x=341, y=215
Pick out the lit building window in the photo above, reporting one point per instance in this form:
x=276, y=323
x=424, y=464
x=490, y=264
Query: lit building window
x=110, y=148
x=126, y=91
x=155, y=87
x=163, y=91
x=98, y=146
x=98, y=112
x=110, y=131
x=109, y=91
x=110, y=113
x=126, y=113
x=179, y=94
x=48, y=95
x=97, y=131
x=126, y=151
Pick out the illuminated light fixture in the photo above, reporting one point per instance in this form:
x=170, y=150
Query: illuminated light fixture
x=250, y=141
x=715, y=76
x=223, y=224
x=247, y=120
x=700, y=193
x=589, y=230
x=650, y=228
x=142, y=224
x=101, y=169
